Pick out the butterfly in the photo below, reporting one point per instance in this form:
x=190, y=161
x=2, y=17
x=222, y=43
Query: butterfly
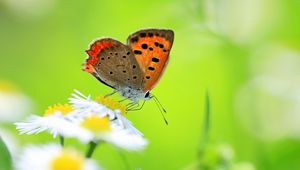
x=132, y=69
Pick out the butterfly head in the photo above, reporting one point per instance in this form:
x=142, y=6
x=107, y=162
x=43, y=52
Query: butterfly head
x=147, y=95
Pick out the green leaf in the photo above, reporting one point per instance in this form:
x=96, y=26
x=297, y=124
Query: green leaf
x=5, y=157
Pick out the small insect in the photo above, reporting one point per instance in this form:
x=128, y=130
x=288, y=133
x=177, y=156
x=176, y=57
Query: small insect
x=132, y=69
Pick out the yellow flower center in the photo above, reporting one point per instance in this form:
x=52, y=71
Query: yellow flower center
x=111, y=103
x=6, y=86
x=67, y=160
x=63, y=109
x=95, y=123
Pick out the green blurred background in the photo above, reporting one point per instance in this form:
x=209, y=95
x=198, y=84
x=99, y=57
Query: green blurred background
x=245, y=53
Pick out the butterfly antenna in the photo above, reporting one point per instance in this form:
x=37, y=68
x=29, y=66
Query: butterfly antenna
x=160, y=107
x=158, y=103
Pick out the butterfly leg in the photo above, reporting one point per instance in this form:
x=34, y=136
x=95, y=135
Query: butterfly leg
x=138, y=108
x=123, y=100
x=113, y=92
x=129, y=105
x=132, y=105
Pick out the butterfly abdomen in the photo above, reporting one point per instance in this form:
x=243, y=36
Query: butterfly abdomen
x=132, y=93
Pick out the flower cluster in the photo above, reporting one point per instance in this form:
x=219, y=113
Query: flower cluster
x=89, y=121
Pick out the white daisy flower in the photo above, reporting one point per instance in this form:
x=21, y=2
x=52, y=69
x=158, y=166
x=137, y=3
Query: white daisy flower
x=96, y=128
x=57, y=120
x=14, y=105
x=53, y=157
x=91, y=121
x=103, y=106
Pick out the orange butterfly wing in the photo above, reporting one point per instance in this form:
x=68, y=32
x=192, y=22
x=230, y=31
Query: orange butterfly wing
x=151, y=48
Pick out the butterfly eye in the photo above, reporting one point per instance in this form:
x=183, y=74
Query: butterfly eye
x=147, y=94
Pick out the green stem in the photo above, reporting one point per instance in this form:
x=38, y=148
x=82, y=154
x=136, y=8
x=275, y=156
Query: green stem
x=206, y=124
x=62, y=140
x=91, y=149
x=206, y=118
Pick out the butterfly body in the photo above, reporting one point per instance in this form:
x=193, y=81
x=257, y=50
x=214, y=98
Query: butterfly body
x=132, y=69
x=133, y=94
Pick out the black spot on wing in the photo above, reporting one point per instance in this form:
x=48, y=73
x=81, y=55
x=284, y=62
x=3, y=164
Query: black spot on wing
x=137, y=52
x=143, y=34
x=144, y=46
x=134, y=39
x=154, y=59
x=151, y=68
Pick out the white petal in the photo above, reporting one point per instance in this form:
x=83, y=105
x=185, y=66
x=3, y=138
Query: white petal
x=53, y=124
x=85, y=106
x=40, y=158
x=126, y=140
x=37, y=157
x=126, y=124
